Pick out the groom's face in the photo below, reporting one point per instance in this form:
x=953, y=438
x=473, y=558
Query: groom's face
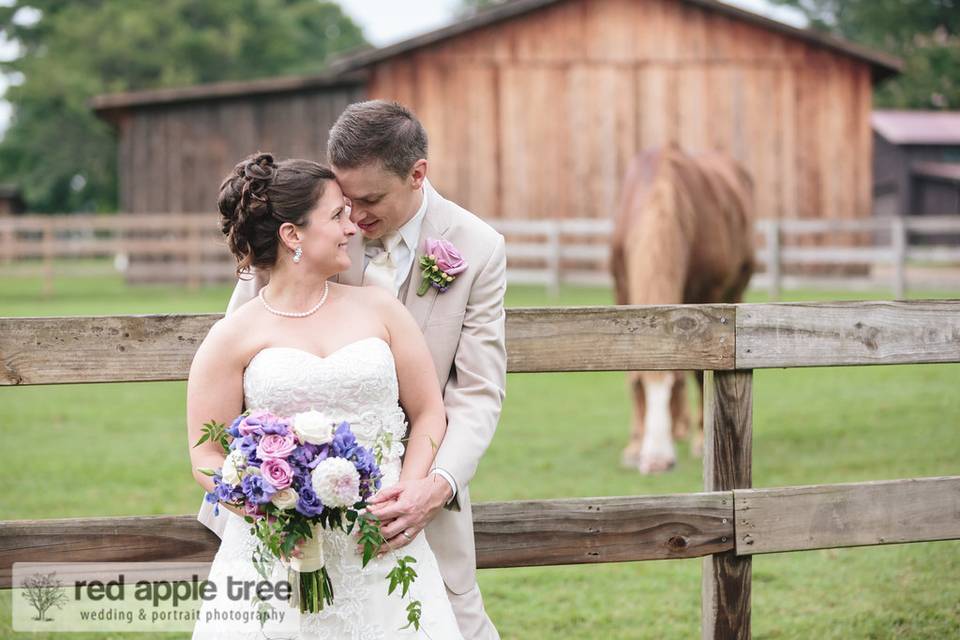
x=380, y=200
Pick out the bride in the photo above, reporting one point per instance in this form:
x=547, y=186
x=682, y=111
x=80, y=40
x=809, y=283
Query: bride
x=353, y=353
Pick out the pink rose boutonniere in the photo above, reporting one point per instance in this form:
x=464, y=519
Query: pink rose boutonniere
x=441, y=264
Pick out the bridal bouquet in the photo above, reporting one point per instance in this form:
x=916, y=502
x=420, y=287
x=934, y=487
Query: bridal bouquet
x=292, y=474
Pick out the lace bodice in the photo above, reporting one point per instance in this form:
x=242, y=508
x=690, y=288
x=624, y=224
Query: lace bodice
x=356, y=383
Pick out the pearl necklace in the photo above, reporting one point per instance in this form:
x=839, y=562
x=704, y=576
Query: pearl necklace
x=301, y=314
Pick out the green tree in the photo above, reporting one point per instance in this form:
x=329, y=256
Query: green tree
x=924, y=33
x=58, y=152
x=472, y=7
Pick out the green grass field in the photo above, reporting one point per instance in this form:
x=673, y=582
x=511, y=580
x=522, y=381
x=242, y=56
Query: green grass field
x=78, y=453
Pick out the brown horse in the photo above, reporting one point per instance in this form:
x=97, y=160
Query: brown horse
x=683, y=234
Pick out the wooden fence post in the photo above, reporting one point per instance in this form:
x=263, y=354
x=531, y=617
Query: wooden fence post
x=553, y=259
x=7, y=235
x=47, y=244
x=727, y=464
x=898, y=237
x=773, y=259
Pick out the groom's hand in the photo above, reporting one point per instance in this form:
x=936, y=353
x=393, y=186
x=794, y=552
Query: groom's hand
x=404, y=509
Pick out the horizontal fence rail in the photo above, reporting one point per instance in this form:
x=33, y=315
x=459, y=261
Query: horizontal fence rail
x=847, y=515
x=61, y=350
x=548, y=252
x=571, y=531
x=725, y=525
x=507, y=534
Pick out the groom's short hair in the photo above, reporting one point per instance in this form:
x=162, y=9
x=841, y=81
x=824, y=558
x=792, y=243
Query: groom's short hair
x=377, y=130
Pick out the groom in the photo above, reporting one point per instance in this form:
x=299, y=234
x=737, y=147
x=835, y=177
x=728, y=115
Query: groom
x=378, y=152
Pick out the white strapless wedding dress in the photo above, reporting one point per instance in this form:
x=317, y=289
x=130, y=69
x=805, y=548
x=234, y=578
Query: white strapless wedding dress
x=356, y=383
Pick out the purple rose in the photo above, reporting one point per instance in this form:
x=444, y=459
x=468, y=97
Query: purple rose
x=446, y=255
x=277, y=472
x=273, y=424
x=253, y=423
x=308, y=503
x=276, y=446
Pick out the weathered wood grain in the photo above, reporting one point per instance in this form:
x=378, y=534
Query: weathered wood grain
x=128, y=539
x=847, y=515
x=99, y=349
x=141, y=348
x=591, y=530
x=508, y=534
x=847, y=333
x=620, y=338
x=725, y=586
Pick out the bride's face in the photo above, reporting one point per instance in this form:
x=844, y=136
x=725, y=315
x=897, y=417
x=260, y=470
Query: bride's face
x=325, y=235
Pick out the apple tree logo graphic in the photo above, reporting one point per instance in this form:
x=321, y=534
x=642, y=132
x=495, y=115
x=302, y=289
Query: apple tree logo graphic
x=44, y=591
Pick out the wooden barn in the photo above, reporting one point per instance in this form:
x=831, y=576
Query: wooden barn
x=916, y=168
x=534, y=108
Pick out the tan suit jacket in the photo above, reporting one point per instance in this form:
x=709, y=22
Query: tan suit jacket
x=464, y=328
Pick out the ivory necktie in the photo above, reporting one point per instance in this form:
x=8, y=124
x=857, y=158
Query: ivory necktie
x=382, y=268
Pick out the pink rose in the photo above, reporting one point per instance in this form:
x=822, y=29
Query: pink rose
x=448, y=258
x=277, y=472
x=276, y=446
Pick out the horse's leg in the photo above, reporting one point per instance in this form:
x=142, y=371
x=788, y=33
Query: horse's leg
x=657, y=452
x=631, y=455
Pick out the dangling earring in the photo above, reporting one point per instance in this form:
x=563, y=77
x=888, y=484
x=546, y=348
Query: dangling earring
x=297, y=254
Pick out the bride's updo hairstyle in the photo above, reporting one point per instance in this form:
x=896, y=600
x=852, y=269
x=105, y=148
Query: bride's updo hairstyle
x=258, y=196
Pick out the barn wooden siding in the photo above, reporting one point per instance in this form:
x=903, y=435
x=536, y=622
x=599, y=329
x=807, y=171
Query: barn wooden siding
x=538, y=116
x=173, y=156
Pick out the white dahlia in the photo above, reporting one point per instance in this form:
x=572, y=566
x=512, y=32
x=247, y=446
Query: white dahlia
x=336, y=482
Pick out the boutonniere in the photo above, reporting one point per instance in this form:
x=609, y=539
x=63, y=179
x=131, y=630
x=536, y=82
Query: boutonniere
x=440, y=264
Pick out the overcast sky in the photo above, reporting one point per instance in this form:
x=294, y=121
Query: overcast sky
x=387, y=21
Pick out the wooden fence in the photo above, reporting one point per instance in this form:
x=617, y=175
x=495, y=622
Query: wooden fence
x=726, y=524
x=189, y=248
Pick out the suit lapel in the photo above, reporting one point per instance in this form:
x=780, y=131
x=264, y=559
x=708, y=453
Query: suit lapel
x=436, y=222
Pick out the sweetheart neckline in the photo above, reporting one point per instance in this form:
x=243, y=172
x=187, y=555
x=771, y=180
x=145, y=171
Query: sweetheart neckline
x=319, y=357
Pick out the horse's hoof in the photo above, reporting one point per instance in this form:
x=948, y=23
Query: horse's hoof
x=652, y=465
x=629, y=459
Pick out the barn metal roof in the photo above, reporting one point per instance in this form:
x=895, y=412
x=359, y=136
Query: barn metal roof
x=349, y=65
x=216, y=90
x=918, y=127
